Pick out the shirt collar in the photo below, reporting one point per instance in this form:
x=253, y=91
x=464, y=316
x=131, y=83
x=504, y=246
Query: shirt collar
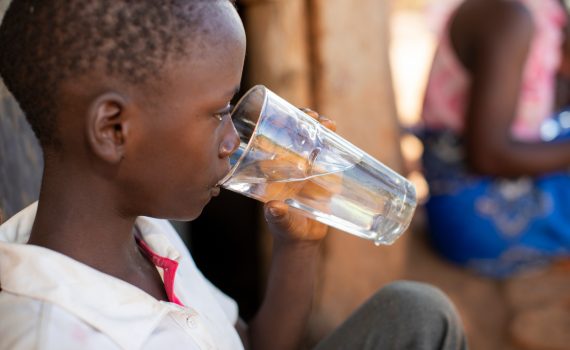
x=127, y=314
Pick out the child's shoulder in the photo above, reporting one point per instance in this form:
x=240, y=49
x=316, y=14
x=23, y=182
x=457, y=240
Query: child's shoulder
x=484, y=26
x=493, y=13
x=21, y=329
x=36, y=324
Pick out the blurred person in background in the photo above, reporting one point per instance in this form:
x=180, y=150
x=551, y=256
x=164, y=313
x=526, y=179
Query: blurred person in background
x=497, y=154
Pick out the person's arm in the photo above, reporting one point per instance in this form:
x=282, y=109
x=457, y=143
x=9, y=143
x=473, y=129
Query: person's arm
x=282, y=319
x=243, y=331
x=563, y=78
x=496, y=55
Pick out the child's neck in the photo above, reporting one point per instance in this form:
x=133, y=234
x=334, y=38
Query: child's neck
x=80, y=220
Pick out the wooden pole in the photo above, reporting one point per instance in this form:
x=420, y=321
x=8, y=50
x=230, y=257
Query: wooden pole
x=352, y=85
x=278, y=47
x=278, y=56
x=332, y=56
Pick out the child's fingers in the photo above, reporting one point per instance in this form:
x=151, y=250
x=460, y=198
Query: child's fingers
x=310, y=113
x=277, y=212
x=326, y=122
x=287, y=225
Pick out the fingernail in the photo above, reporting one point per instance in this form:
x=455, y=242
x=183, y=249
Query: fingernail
x=274, y=212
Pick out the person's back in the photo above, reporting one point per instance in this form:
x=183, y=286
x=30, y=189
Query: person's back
x=498, y=193
x=480, y=36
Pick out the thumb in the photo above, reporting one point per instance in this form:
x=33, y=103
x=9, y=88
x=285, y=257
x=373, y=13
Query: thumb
x=277, y=212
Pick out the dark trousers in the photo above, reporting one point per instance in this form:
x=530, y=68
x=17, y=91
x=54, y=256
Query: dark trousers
x=403, y=315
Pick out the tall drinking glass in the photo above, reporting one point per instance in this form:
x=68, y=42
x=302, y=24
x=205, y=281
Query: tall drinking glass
x=287, y=155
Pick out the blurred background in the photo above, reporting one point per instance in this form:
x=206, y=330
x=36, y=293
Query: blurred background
x=364, y=64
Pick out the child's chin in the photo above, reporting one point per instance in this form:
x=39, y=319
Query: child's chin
x=177, y=214
x=190, y=214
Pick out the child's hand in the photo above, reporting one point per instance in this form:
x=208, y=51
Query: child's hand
x=289, y=225
x=327, y=123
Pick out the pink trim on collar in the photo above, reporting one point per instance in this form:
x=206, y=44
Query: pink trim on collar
x=169, y=267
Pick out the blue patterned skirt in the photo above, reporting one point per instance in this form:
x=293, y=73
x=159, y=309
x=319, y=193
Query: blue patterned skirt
x=495, y=226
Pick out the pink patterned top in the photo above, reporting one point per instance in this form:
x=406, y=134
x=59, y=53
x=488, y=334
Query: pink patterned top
x=448, y=85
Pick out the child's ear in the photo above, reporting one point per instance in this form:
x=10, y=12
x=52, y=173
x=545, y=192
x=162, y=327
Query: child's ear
x=106, y=127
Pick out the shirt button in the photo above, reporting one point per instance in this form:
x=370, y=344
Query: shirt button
x=191, y=321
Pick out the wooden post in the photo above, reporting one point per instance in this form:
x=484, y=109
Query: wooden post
x=353, y=86
x=278, y=56
x=278, y=47
x=332, y=56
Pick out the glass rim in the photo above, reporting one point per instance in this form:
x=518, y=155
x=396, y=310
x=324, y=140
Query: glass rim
x=253, y=134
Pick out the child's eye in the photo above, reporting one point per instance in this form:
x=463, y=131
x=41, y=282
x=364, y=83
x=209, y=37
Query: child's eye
x=221, y=114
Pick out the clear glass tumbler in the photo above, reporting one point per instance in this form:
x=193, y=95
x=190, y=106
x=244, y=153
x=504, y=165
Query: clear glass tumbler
x=287, y=155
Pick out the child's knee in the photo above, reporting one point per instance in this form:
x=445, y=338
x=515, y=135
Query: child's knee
x=412, y=291
x=423, y=312
x=415, y=298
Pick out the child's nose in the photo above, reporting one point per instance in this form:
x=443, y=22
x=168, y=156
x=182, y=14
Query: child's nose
x=230, y=139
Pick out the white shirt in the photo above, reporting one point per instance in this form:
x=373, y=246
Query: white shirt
x=50, y=301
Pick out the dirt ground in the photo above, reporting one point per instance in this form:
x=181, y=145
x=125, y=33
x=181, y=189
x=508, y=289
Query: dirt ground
x=530, y=312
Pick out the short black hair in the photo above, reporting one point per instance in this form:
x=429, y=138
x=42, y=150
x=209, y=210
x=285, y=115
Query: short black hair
x=45, y=42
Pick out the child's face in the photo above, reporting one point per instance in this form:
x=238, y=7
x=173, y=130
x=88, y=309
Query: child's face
x=180, y=148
